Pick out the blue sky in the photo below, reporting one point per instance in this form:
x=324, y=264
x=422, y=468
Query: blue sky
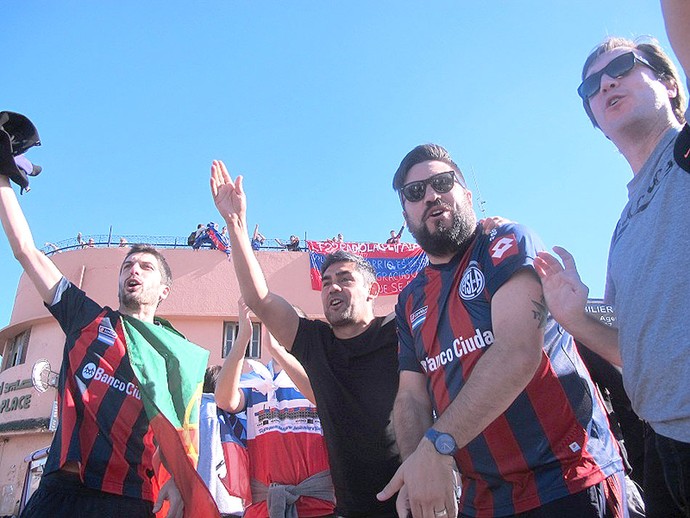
x=315, y=103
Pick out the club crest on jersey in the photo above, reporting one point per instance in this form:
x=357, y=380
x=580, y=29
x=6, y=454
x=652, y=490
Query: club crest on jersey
x=418, y=317
x=89, y=370
x=472, y=282
x=502, y=248
x=106, y=333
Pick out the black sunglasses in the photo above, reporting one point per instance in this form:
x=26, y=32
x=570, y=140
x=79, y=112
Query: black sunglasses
x=441, y=183
x=618, y=67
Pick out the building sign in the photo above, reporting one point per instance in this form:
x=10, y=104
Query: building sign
x=14, y=402
x=603, y=312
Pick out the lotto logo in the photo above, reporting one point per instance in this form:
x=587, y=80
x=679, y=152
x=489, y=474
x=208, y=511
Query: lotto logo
x=502, y=248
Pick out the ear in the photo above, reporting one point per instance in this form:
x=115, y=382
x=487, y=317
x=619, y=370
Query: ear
x=672, y=88
x=374, y=290
x=164, y=292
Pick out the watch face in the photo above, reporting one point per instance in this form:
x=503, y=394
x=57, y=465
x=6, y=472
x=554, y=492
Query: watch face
x=445, y=444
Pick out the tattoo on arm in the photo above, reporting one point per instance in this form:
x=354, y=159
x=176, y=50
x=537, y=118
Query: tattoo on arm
x=540, y=312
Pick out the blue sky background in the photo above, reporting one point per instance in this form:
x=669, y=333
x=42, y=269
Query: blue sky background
x=315, y=103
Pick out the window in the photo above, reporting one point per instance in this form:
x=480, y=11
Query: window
x=229, y=334
x=15, y=350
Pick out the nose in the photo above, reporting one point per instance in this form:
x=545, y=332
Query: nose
x=134, y=268
x=607, y=83
x=430, y=195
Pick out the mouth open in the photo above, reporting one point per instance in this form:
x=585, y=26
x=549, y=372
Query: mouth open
x=132, y=284
x=435, y=212
x=613, y=101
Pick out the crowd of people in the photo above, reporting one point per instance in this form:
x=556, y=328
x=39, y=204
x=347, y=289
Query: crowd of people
x=471, y=400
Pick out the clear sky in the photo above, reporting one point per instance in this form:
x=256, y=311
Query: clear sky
x=315, y=103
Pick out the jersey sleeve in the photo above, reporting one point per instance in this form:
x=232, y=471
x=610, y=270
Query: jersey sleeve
x=74, y=310
x=407, y=358
x=511, y=249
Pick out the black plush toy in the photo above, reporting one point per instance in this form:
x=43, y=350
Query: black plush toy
x=17, y=135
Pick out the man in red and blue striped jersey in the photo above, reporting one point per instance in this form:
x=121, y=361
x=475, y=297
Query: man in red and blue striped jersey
x=101, y=458
x=516, y=409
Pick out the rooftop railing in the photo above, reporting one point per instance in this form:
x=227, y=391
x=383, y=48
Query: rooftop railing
x=113, y=241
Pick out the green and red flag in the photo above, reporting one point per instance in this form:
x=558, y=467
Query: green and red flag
x=170, y=371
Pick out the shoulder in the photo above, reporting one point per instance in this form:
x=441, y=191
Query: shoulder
x=311, y=333
x=312, y=325
x=510, y=229
x=385, y=329
x=507, y=240
x=69, y=299
x=414, y=285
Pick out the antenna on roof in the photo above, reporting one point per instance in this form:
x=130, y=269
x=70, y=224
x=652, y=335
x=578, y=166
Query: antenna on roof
x=480, y=200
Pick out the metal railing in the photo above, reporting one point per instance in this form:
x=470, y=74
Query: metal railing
x=114, y=241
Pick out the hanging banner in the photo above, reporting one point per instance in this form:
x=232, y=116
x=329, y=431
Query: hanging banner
x=395, y=264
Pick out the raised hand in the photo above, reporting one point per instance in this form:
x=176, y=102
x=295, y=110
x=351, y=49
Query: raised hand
x=490, y=223
x=564, y=291
x=244, y=327
x=228, y=196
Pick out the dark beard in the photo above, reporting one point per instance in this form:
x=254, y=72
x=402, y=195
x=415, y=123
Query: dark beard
x=343, y=319
x=134, y=301
x=446, y=240
x=128, y=300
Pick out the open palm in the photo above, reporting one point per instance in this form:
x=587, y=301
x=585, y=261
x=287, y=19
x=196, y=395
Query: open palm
x=228, y=196
x=565, y=293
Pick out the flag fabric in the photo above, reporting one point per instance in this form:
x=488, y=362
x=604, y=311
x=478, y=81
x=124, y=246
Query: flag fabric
x=233, y=438
x=395, y=264
x=170, y=371
x=218, y=239
x=211, y=236
x=233, y=428
x=283, y=439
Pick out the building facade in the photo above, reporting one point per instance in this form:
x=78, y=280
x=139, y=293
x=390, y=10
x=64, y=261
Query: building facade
x=202, y=305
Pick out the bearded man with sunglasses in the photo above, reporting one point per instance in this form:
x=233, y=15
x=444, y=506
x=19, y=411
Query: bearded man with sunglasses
x=632, y=92
x=515, y=406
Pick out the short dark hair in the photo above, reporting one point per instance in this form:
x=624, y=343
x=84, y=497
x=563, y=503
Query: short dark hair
x=661, y=63
x=424, y=153
x=361, y=265
x=166, y=273
x=211, y=378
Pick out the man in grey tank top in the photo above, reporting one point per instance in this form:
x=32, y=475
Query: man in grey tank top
x=632, y=92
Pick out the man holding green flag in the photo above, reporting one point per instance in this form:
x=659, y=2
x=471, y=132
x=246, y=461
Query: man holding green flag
x=129, y=388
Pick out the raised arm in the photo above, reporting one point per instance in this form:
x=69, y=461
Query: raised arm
x=228, y=394
x=518, y=317
x=41, y=270
x=677, y=19
x=273, y=310
x=566, y=297
x=292, y=366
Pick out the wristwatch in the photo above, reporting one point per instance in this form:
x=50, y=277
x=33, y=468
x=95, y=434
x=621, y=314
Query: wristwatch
x=443, y=442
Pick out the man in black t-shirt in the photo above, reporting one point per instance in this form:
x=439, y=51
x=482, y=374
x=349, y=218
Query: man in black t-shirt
x=351, y=361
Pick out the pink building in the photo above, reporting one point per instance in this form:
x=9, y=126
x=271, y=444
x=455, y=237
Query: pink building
x=202, y=305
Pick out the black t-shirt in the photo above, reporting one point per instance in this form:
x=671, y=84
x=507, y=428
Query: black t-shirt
x=355, y=382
